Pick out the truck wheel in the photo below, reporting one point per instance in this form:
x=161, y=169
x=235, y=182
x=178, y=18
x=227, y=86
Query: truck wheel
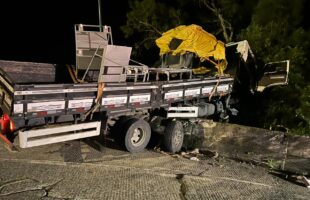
x=173, y=136
x=137, y=135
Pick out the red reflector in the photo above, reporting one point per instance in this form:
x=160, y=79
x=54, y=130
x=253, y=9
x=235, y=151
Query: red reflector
x=5, y=117
x=42, y=113
x=110, y=106
x=136, y=104
x=80, y=109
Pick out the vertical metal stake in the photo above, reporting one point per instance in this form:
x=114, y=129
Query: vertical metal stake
x=99, y=12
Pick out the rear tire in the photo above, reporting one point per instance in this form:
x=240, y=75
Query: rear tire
x=173, y=136
x=137, y=135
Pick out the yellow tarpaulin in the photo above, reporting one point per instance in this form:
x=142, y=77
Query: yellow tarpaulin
x=194, y=39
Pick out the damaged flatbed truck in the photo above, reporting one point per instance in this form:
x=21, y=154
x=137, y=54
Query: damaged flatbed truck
x=107, y=93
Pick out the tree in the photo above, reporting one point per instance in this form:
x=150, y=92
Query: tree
x=279, y=35
x=147, y=20
x=225, y=26
x=276, y=30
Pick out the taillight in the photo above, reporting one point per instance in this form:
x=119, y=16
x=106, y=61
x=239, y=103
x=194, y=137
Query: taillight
x=7, y=125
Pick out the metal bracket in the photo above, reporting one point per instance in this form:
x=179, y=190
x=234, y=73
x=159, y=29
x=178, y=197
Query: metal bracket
x=40, y=137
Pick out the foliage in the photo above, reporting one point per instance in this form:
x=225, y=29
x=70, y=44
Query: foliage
x=229, y=16
x=273, y=164
x=148, y=19
x=279, y=35
x=276, y=30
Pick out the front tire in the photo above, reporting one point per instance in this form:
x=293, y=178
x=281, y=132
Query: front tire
x=173, y=136
x=137, y=135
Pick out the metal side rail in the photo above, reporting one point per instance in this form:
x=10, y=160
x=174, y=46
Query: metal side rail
x=44, y=136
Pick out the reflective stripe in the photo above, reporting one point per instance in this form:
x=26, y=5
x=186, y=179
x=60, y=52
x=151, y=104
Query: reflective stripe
x=18, y=108
x=117, y=100
x=174, y=94
x=45, y=106
x=140, y=98
x=80, y=103
x=192, y=92
x=222, y=88
x=207, y=90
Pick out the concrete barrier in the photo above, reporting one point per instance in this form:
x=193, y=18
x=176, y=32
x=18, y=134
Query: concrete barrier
x=274, y=149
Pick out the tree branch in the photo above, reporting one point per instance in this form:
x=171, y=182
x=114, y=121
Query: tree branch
x=150, y=26
x=226, y=27
x=208, y=5
x=145, y=40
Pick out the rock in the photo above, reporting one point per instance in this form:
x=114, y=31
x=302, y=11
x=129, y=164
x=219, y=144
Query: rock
x=194, y=159
x=306, y=181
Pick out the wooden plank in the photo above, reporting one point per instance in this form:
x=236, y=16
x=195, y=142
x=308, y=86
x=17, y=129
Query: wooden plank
x=23, y=72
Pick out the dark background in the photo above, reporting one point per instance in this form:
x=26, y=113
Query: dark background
x=43, y=31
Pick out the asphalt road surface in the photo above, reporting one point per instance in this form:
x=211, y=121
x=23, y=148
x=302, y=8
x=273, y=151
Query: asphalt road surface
x=87, y=170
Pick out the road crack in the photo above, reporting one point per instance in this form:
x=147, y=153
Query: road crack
x=45, y=188
x=183, y=187
x=15, y=182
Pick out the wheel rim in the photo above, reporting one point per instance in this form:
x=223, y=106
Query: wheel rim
x=138, y=137
x=178, y=139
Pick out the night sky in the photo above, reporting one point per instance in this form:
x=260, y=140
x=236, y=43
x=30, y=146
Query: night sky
x=43, y=31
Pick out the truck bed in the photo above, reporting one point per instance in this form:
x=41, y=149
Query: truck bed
x=32, y=90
